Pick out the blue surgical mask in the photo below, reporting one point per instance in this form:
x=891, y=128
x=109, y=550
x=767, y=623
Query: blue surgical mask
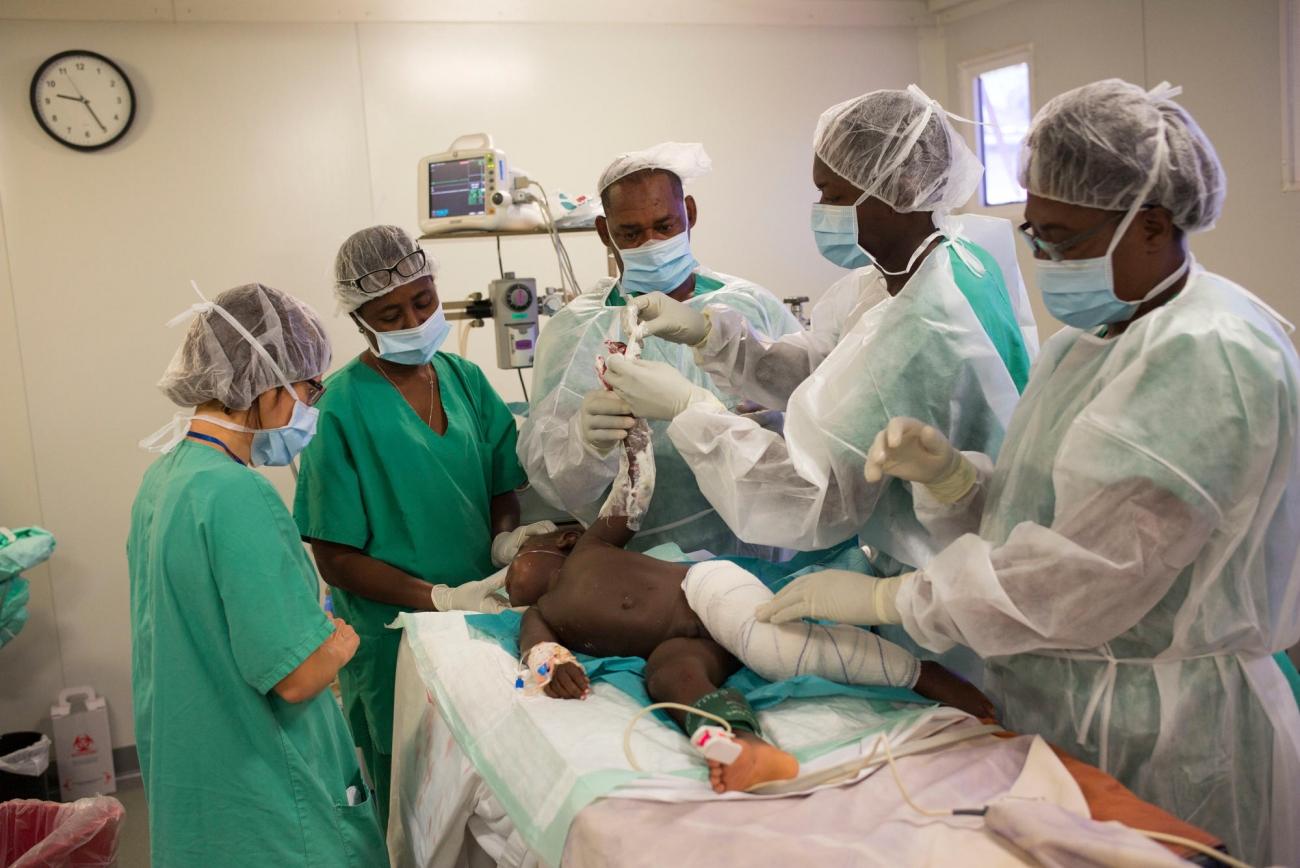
x=412, y=346
x=1081, y=292
x=835, y=228
x=660, y=266
x=278, y=447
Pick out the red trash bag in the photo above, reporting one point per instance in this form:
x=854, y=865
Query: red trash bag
x=80, y=834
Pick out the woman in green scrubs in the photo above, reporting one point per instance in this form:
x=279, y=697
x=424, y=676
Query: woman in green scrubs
x=411, y=479
x=245, y=757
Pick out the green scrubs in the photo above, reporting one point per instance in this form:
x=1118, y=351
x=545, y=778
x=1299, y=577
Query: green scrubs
x=223, y=607
x=376, y=478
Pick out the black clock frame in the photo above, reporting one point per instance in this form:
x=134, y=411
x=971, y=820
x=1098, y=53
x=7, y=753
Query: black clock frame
x=36, y=112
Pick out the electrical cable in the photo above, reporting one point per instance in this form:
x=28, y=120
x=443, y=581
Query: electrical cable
x=520, y=372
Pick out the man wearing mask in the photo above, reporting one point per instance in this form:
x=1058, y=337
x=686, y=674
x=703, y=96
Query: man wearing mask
x=574, y=424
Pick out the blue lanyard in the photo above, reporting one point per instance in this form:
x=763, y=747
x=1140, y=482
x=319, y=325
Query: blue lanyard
x=210, y=439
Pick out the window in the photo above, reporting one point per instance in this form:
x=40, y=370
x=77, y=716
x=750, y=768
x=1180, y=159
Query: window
x=999, y=97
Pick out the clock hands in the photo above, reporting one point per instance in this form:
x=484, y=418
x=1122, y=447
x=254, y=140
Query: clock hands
x=81, y=99
x=86, y=103
x=65, y=96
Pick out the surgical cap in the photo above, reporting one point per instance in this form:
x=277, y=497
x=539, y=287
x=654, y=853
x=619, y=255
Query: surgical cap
x=900, y=147
x=216, y=362
x=1097, y=145
x=686, y=160
x=370, y=250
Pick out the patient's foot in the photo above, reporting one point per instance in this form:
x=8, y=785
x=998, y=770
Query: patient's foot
x=758, y=763
x=942, y=686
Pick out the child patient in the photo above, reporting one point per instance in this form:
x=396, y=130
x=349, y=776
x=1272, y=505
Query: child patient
x=695, y=626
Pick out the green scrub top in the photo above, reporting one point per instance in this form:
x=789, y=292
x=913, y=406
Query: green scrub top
x=988, y=297
x=376, y=478
x=223, y=607
x=703, y=286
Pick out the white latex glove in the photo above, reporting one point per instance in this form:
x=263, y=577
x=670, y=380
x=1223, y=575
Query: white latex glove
x=477, y=596
x=604, y=420
x=505, y=545
x=654, y=390
x=835, y=595
x=667, y=318
x=912, y=450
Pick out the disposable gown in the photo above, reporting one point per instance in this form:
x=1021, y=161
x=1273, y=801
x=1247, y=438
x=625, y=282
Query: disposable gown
x=1136, y=563
x=748, y=366
x=924, y=353
x=571, y=476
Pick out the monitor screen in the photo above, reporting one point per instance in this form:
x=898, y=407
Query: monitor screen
x=458, y=188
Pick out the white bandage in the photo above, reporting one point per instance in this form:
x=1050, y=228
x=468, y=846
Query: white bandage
x=725, y=597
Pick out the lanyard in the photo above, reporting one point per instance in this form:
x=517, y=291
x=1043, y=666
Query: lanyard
x=210, y=439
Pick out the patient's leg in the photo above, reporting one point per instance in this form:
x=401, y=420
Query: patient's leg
x=687, y=671
x=725, y=597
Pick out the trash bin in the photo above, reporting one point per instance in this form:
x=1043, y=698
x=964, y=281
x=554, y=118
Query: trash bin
x=24, y=757
x=35, y=834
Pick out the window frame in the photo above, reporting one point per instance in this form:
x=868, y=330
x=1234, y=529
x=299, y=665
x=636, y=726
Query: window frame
x=969, y=72
x=1289, y=27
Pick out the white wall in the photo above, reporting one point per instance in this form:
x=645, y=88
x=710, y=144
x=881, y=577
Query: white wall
x=257, y=149
x=1227, y=58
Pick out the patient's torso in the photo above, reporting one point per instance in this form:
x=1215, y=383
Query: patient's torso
x=608, y=602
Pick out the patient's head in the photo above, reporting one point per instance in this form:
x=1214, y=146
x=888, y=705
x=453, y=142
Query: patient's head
x=530, y=574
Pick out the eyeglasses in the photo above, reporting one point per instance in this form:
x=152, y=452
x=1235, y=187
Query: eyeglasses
x=315, y=389
x=1056, y=250
x=380, y=279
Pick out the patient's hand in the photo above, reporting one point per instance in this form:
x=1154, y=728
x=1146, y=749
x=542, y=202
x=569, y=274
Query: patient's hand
x=937, y=683
x=568, y=682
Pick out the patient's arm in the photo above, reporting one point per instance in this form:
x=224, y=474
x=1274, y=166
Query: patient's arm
x=569, y=680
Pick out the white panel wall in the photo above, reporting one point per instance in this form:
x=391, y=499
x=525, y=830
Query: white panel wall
x=246, y=163
x=257, y=149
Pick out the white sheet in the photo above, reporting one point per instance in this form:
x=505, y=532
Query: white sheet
x=445, y=815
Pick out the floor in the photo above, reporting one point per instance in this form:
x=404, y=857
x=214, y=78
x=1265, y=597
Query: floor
x=133, y=840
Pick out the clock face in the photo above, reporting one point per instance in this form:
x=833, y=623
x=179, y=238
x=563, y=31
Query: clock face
x=83, y=100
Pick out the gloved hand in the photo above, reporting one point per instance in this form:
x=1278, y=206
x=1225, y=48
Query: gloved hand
x=604, y=420
x=654, y=390
x=477, y=596
x=912, y=450
x=835, y=595
x=505, y=545
x=667, y=318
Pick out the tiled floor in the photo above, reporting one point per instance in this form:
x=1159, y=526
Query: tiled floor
x=133, y=840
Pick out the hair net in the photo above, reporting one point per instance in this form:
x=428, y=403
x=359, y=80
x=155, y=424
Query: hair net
x=1098, y=145
x=900, y=147
x=370, y=250
x=686, y=160
x=216, y=362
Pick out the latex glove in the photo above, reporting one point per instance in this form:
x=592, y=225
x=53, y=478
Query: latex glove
x=477, y=596
x=604, y=420
x=667, y=318
x=654, y=390
x=505, y=545
x=835, y=595
x=912, y=450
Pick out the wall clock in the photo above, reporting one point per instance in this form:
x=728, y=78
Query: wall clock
x=83, y=100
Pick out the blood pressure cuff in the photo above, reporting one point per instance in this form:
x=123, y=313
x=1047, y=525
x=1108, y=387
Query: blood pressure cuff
x=728, y=704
